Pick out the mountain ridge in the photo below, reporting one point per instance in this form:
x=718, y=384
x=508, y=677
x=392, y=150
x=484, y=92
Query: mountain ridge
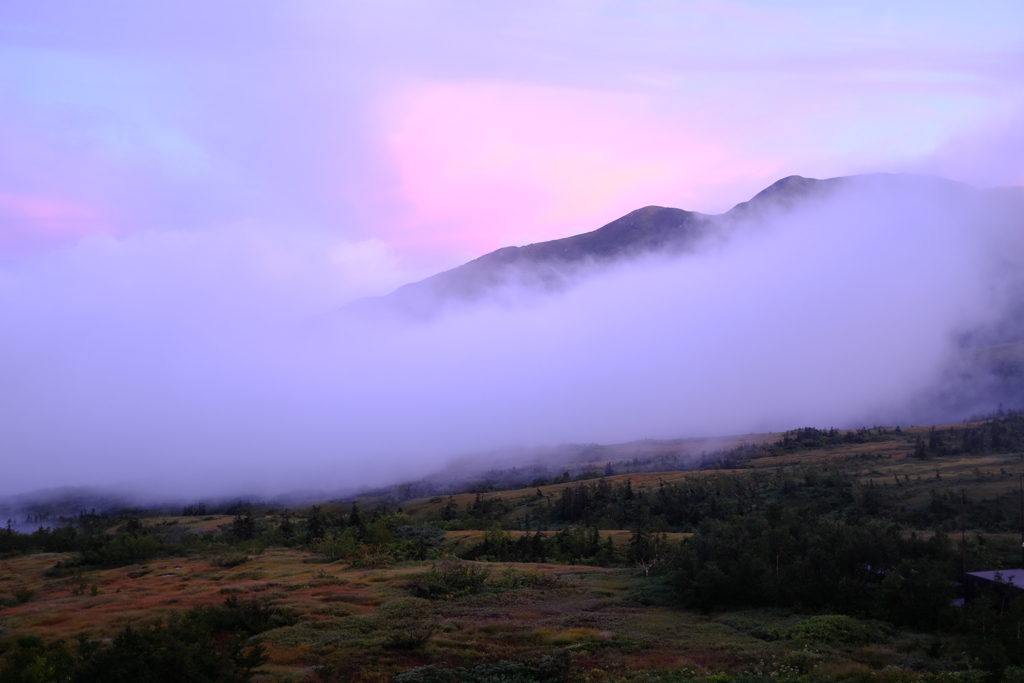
x=550, y=264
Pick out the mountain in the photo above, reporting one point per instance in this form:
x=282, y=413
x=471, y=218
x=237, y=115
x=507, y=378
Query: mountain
x=990, y=364
x=551, y=265
x=554, y=265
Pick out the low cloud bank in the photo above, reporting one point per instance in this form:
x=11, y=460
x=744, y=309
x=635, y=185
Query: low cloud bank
x=200, y=365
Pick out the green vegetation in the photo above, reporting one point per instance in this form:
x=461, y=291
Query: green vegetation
x=548, y=669
x=825, y=555
x=203, y=645
x=839, y=628
x=450, y=579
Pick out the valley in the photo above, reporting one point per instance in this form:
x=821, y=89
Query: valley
x=591, y=578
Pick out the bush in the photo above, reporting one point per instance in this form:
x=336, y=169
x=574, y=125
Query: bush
x=123, y=549
x=838, y=628
x=553, y=668
x=410, y=623
x=244, y=618
x=449, y=579
x=340, y=548
x=31, y=660
x=229, y=560
x=182, y=650
x=204, y=645
x=429, y=536
x=801, y=661
x=377, y=555
x=510, y=579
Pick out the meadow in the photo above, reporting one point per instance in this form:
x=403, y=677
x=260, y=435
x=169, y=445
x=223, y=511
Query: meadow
x=810, y=555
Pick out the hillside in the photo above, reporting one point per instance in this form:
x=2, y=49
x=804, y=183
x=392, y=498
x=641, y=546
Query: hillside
x=815, y=555
x=551, y=265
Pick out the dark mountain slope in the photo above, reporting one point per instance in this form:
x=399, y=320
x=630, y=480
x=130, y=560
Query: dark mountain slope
x=783, y=195
x=549, y=265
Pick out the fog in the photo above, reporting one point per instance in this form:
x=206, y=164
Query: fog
x=220, y=363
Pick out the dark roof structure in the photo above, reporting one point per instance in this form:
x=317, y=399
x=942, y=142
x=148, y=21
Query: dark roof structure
x=1009, y=576
x=996, y=581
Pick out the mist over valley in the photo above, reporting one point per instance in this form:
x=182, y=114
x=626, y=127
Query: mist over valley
x=879, y=299
x=534, y=342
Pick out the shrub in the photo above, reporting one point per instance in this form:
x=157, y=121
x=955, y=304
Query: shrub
x=410, y=623
x=244, y=618
x=204, y=645
x=510, y=579
x=376, y=555
x=838, y=628
x=229, y=560
x=182, y=650
x=553, y=668
x=31, y=660
x=123, y=549
x=340, y=548
x=119, y=550
x=801, y=661
x=429, y=536
x=449, y=579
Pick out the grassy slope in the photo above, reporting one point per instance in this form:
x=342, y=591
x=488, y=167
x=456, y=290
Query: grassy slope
x=599, y=614
x=612, y=619
x=877, y=462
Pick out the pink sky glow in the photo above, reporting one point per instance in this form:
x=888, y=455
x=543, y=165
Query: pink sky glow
x=483, y=165
x=444, y=134
x=34, y=223
x=192, y=192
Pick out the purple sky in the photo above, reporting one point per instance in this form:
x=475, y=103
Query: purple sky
x=445, y=130
x=183, y=188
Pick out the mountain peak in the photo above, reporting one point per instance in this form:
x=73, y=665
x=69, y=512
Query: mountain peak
x=549, y=265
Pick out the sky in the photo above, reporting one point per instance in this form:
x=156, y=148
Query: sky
x=185, y=190
x=441, y=131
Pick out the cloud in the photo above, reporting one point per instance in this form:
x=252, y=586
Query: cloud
x=486, y=164
x=988, y=155
x=189, y=365
x=447, y=132
x=186, y=191
x=33, y=223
